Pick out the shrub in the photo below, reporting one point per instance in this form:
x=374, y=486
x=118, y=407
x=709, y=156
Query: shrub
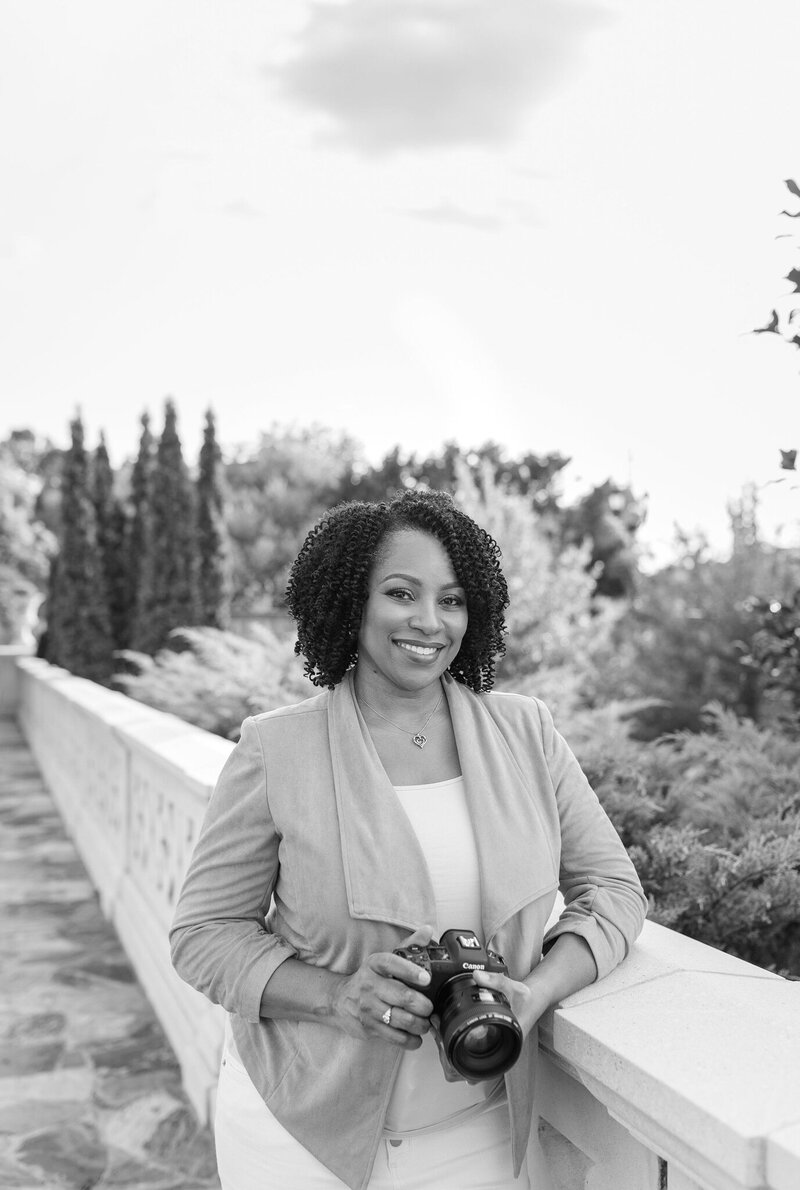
x=712, y=822
x=744, y=899
x=217, y=678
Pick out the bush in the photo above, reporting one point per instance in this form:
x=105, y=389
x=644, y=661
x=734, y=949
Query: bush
x=217, y=678
x=743, y=899
x=712, y=822
x=552, y=619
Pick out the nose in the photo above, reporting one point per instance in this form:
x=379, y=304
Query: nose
x=426, y=617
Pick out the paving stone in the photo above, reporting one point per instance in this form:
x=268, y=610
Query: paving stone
x=16, y=1118
x=134, y=1127
x=92, y=1096
x=178, y=1138
x=124, y=1170
x=14, y=1175
x=73, y=1154
x=113, y=1090
x=38, y=1025
x=61, y=1085
x=30, y=1057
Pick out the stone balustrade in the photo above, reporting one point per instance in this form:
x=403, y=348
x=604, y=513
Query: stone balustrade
x=681, y=1069
x=132, y=785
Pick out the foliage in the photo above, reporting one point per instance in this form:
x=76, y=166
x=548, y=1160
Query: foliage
x=607, y=518
x=743, y=899
x=712, y=822
x=679, y=694
x=688, y=634
x=78, y=624
x=213, y=572
x=19, y=600
x=605, y=521
x=783, y=320
x=26, y=544
x=218, y=678
x=275, y=494
x=775, y=653
x=167, y=596
x=775, y=656
x=531, y=475
x=551, y=619
x=139, y=536
x=111, y=525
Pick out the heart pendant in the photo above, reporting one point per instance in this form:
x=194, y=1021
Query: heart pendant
x=419, y=739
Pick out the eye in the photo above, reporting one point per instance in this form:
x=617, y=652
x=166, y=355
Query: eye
x=453, y=601
x=399, y=593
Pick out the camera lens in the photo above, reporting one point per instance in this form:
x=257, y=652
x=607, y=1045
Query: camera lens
x=482, y=1039
x=480, y=1034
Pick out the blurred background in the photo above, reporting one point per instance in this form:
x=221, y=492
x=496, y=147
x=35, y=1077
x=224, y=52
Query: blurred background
x=258, y=259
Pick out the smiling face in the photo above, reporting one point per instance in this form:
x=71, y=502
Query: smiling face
x=415, y=615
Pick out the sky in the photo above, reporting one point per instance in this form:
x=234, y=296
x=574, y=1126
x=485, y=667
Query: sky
x=549, y=223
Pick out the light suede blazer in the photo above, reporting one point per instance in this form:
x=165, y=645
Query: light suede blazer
x=306, y=851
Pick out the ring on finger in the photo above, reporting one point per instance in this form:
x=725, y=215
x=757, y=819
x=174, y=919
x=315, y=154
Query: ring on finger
x=387, y=1016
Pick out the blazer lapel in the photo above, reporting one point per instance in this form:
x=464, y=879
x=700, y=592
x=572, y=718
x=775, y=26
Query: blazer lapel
x=516, y=858
x=386, y=875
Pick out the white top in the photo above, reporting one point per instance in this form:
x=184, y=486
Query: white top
x=422, y=1096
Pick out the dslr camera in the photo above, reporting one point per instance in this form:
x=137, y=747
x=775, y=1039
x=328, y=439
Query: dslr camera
x=480, y=1035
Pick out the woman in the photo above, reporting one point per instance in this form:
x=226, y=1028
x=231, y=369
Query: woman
x=403, y=801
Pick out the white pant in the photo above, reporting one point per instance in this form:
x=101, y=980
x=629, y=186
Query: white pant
x=255, y=1152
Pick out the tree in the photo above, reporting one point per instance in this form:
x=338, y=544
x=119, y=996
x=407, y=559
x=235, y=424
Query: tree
x=529, y=475
x=213, y=576
x=167, y=595
x=775, y=655
x=111, y=525
x=551, y=621
x=276, y=491
x=784, y=319
x=693, y=623
x=607, y=519
x=26, y=543
x=139, y=547
x=78, y=624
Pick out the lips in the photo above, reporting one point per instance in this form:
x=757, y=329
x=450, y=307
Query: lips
x=418, y=650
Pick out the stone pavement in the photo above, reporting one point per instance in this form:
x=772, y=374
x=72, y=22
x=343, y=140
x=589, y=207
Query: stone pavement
x=90, y=1090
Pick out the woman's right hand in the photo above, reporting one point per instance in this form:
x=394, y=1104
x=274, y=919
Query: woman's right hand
x=381, y=982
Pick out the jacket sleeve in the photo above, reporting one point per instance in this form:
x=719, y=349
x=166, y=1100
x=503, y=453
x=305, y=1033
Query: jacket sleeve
x=603, y=899
x=219, y=940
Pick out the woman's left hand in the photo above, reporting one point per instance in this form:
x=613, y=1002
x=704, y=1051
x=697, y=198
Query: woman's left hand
x=525, y=1004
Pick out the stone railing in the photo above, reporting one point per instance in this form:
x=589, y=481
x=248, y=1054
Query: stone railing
x=681, y=1069
x=132, y=785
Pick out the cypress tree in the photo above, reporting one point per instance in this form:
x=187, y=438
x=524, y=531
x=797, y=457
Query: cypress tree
x=79, y=627
x=110, y=520
x=213, y=575
x=168, y=592
x=139, y=542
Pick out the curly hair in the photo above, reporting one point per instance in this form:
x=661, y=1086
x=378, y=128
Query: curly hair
x=329, y=583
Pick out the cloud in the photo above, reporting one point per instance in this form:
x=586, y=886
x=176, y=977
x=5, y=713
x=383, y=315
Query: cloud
x=399, y=74
x=450, y=213
x=240, y=208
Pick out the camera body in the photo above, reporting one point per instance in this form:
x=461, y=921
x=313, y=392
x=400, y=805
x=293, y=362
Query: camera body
x=479, y=1033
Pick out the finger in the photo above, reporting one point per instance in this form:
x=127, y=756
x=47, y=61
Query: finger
x=394, y=966
x=399, y=996
x=422, y=936
x=406, y=1038
x=491, y=979
x=409, y=1022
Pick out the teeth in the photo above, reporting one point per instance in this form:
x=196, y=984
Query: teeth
x=422, y=650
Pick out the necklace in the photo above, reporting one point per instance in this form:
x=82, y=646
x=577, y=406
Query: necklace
x=417, y=737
